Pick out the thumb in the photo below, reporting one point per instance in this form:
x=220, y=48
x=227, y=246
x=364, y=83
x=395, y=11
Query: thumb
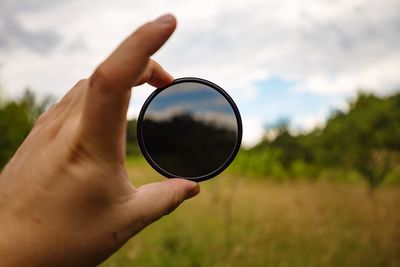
x=158, y=199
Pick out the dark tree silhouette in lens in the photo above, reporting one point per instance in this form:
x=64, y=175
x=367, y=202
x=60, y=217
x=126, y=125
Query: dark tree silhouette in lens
x=187, y=145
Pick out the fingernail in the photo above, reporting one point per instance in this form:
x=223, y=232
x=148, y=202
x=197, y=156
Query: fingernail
x=165, y=19
x=195, y=191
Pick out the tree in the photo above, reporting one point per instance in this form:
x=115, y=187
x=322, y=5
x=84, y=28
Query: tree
x=367, y=138
x=16, y=120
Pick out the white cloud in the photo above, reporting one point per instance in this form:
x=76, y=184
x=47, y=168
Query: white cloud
x=307, y=122
x=253, y=130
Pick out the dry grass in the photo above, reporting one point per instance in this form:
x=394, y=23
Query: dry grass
x=238, y=221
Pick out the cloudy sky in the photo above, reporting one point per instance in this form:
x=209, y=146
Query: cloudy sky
x=295, y=59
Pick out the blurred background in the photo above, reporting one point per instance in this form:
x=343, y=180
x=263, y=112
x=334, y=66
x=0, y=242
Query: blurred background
x=317, y=181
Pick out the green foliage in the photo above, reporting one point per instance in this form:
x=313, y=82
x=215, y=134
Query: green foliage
x=263, y=162
x=132, y=147
x=16, y=120
x=12, y=136
x=364, y=142
x=366, y=138
x=361, y=143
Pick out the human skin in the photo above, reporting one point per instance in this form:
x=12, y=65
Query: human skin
x=65, y=196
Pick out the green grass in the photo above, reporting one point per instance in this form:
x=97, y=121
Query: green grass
x=239, y=221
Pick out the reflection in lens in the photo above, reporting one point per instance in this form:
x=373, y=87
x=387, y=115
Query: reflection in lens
x=189, y=130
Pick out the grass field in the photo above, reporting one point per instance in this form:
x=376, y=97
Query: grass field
x=240, y=221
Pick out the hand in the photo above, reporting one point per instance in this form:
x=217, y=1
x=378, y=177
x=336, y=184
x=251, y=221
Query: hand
x=65, y=197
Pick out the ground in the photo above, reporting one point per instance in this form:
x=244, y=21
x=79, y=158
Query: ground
x=243, y=221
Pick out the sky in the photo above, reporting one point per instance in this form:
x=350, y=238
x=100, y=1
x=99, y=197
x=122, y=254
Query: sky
x=202, y=103
x=292, y=59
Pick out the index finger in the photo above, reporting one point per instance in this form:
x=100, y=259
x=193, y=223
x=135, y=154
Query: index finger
x=107, y=98
x=121, y=69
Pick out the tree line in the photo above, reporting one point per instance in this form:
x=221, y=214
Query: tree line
x=17, y=118
x=363, y=142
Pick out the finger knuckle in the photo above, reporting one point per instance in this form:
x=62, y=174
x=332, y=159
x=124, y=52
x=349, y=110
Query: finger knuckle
x=100, y=78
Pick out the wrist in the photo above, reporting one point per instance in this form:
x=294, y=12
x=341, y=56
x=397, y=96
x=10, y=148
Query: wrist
x=17, y=245
x=10, y=251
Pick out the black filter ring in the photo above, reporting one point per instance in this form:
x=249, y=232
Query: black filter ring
x=238, y=120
